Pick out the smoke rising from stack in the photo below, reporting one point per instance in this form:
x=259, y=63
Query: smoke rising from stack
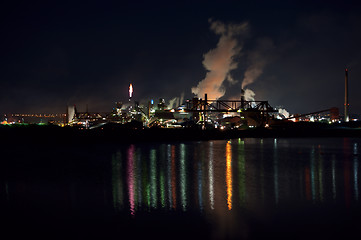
x=176, y=101
x=255, y=69
x=249, y=95
x=257, y=61
x=173, y=102
x=220, y=60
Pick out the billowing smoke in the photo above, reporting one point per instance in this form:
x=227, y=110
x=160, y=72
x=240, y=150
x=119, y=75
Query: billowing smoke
x=284, y=113
x=253, y=72
x=249, y=95
x=257, y=60
x=220, y=60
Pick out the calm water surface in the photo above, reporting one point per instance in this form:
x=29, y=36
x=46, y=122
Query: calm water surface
x=240, y=188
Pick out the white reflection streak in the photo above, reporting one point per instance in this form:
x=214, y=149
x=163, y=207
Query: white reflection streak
x=275, y=166
x=153, y=178
x=334, y=177
x=210, y=175
x=183, y=177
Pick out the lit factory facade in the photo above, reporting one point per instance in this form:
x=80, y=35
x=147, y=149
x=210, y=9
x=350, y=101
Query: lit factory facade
x=197, y=112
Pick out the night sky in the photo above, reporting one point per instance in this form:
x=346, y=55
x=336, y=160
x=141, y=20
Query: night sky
x=59, y=53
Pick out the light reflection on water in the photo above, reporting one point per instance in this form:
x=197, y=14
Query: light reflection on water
x=235, y=174
x=229, y=174
x=220, y=188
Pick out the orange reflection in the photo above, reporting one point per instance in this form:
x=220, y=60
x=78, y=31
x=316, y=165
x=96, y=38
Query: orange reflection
x=229, y=175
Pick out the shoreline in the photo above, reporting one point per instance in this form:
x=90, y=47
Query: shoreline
x=117, y=134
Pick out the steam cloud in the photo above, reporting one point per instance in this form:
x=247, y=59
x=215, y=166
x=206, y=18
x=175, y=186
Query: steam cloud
x=173, y=102
x=257, y=59
x=253, y=71
x=220, y=60
x=176, y=101
x=284, y=112
x=249, y=95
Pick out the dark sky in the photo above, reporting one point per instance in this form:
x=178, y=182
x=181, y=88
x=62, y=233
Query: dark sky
x=58, y=53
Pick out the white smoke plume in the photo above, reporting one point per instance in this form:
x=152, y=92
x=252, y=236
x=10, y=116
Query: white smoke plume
x=284, y=112
x=257, y=60
x=173, y=102
x=181, y=98
x=249, y=95
x=252, y=73
x=220, y=60
x=176, y=101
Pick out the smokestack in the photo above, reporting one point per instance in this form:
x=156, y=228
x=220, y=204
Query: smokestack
x=242, y=98
x=346, y=97
x=205, y=101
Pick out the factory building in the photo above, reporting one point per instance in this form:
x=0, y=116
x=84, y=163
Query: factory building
x=196, y=112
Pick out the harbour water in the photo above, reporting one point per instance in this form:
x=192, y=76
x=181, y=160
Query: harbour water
x=239, y=188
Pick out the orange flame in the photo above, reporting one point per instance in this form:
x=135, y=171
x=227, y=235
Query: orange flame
x=130, y=90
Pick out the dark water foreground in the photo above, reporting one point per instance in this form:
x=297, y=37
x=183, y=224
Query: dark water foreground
x=252, y=188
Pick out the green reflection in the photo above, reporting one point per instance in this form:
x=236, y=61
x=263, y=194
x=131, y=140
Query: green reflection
x=153, y=178
x=117, y=183
x=144, y=189
x=162, y=177
x=320, y=176
x=169, y=176
x=313, y=170
x=162, y=189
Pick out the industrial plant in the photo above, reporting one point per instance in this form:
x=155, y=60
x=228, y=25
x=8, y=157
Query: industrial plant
x=202, y=113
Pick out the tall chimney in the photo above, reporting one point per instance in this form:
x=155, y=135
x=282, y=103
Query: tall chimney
x=346, y=97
